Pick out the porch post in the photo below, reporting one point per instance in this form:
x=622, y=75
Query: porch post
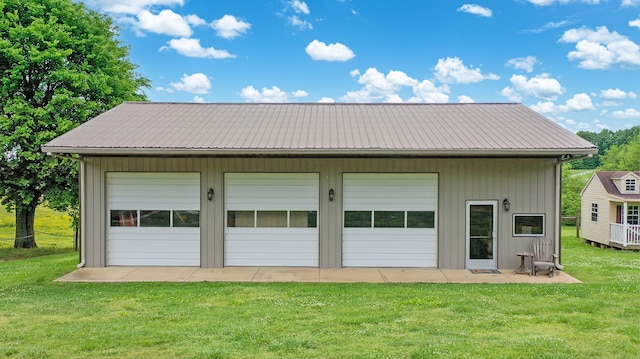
x=625, y=224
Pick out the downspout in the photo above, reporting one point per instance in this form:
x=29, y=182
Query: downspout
x=558, y=204
x=83, y=251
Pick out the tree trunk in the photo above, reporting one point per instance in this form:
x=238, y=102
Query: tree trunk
x=25, y=235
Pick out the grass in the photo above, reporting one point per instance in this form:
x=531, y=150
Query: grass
x=600, y=318
x=53, y=234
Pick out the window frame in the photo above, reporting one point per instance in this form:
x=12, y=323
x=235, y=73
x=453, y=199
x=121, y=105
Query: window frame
x=514, y=225
x=633, y=214
x=630, y=185
x=594, y=212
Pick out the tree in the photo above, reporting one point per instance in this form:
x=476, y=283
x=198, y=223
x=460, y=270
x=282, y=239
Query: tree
x=60, y=64
x=624, y=157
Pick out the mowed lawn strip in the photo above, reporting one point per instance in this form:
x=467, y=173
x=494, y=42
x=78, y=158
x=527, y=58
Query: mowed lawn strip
x=600, y=318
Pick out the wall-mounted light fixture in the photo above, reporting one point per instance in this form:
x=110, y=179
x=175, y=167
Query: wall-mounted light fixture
x=210, y=194
x=332, y=194
x=506, y=204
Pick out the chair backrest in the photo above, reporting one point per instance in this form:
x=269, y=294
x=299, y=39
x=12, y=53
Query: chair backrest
x=542, y=249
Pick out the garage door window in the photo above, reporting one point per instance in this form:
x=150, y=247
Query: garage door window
x=272, y=219
x=186, y=218
x=124, y=218
x=389, y=219
x=154, y=218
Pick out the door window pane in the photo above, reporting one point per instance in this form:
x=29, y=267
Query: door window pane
x=357, y=219
x=303, y=219
x=421, y=219
x=388, y=219
x=124, y=218
x=481, y=220
x=272, y=218
x=155, y=218
x=240, y=219
x=186, y=218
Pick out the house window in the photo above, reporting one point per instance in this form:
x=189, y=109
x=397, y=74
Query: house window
x=630, y=185
x=272, y=219
x=632, y=215
x=389, y=219
x=529, y=225
x=594, y=212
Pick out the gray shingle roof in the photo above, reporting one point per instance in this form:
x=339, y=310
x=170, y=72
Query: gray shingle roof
x=607, y=177
x=138, y=128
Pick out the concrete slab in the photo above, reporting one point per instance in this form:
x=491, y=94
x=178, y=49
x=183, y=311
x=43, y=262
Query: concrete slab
x=304, y=274
x=465, y=276
x=287, y=274
x=351, y=275
x=229, y=274
x=109, y=274
x=558, y=277
x=413, y=275
x=159, y=274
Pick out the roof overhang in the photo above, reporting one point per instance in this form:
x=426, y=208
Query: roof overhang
x=186, y=152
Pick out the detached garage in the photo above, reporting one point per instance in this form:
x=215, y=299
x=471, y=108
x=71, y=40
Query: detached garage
x=317, y=185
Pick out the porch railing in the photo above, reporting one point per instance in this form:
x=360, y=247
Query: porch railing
x=625, y=234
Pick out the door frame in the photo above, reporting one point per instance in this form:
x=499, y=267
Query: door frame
x=481, y=263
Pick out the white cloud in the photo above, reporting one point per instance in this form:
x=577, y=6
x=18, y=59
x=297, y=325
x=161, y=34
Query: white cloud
x=198, y=99
x=299, y=7
x=378, y=86
x=166, y=22
x=544, y=107
x=299, y=23
x=393, y=98
x=326, y=100
x=629, y=113
x=635, y=23
x=130, y=6
x=318, y=50
x=192, y=48
x=541, y=86
x=300, y=93
x=272, y=95
x=476, y=10
x=549, y=26
x=617, y=94
x=626, y=3
x=427, y=91
x=195, y=20
x=561, y=2
x=523, y=63
x=167, y=89
x=452, y=70
x=465, y=99
x=229, y=27
x=578, y=103
x=196, y=84
x=600, y=49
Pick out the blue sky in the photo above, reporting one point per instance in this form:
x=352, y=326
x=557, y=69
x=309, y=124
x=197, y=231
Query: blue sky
x=575, y=61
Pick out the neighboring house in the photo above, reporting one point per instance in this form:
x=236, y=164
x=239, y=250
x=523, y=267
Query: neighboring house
x=610, y=203
x=318, y=185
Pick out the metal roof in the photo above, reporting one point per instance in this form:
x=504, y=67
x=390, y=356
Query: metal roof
x=470, y=129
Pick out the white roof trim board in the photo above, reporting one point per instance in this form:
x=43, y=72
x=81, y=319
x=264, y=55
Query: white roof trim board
x=318, y=129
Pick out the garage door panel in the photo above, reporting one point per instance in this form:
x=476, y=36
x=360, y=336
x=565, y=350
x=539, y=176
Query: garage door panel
x=390, y=247
x=271, y=246
x=162, y=245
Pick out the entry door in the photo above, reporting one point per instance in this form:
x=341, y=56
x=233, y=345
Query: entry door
x=481, y=236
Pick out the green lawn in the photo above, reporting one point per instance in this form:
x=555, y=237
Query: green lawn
x=597, y=319
x=53, y=234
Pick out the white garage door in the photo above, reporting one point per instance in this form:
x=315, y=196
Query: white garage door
x=153, y=219
x=271, y=219
x=390, y=220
